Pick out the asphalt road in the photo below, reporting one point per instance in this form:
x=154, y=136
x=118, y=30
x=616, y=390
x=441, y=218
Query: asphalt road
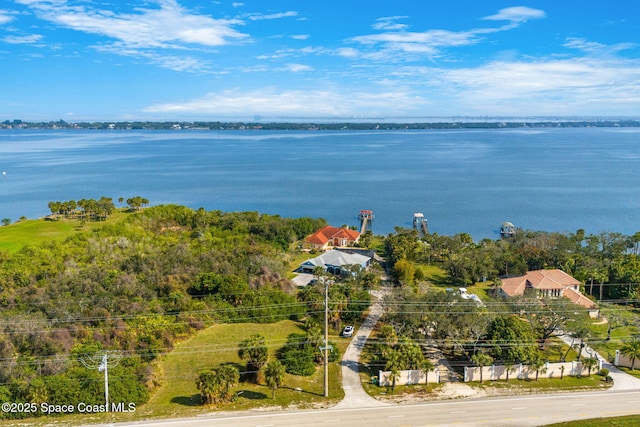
x=527, y=410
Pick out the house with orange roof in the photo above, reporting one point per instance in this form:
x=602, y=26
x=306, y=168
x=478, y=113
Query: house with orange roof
x=548, y=284
x=329, y=236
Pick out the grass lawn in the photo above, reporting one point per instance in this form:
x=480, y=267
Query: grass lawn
x=628, y=421
x=219, y=344
x=623, y=328
x=15, y=236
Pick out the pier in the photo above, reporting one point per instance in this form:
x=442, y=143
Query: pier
x=507, y=229
x=420, y=223
x=366, y=218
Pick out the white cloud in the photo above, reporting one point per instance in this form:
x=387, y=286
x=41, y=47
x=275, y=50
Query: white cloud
x=396, y=44
x=296, y=68
x=5, y=17
x=169, y=26
x=182, y=63
x=546, y=86
x=270, y=101
x=260, y=17
x=595, y=47
x=300, y=37
x=389, y=23
x=30, y=39
x=517, y=14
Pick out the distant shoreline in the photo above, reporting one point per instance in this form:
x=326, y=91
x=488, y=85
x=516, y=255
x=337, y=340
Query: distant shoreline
x=311, y=126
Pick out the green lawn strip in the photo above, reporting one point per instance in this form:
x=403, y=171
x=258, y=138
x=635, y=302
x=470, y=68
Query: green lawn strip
x=635, y=372
x=513, y=386
x=15, y=236
x=626, y=421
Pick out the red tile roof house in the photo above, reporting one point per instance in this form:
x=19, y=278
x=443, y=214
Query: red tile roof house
x=331, y=236
x=551, y=284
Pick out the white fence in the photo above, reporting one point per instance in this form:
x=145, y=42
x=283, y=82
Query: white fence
x=408, y=377
x=622, y=360
x=524, y=372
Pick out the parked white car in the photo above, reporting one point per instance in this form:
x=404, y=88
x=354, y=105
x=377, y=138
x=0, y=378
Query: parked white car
x=347, y=331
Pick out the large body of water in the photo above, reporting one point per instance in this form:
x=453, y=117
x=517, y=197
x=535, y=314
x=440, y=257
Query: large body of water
x=462, y=180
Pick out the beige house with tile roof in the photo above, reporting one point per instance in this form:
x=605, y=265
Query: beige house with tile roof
x=548, y=284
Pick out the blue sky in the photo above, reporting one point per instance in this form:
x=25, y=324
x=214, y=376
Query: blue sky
x=349, y=59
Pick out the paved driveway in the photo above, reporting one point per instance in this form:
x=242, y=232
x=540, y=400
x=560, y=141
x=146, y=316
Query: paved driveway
x=354, y=394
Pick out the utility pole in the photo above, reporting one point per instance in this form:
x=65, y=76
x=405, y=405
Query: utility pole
x=326, y=337
x=104, y=367
x=101, y=363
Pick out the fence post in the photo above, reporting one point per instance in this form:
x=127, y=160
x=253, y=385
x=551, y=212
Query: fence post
x=546, y=370
x=520, y=371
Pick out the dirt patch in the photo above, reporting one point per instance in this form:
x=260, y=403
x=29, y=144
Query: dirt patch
x=450, y=390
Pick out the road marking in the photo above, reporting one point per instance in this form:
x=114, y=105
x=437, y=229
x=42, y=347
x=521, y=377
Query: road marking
x=519, y=407
x=458, y=412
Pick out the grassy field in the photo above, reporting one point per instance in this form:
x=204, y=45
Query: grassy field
x=219, y=344
x=15, y=236
x=628, y=421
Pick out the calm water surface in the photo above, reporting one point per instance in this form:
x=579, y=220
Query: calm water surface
x=463, y=181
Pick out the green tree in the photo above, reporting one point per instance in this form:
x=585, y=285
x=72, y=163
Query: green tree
x=405, y=271
x=215, y=384
x=482, y=360
x=393, y=365
x=254, y=351
x=590, y=363
x=508, y=367
x=427, y=366
x=274, y=375
x=511, y=338
x=386, y=341
x=537, y=363
x=631, y=349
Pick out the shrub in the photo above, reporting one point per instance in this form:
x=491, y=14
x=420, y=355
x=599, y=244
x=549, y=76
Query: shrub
x=604, y=372
x=298, y=360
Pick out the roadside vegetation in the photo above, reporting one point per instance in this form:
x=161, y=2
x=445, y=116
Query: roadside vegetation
x=628, y=421
x=199, y=309
x=138, y=283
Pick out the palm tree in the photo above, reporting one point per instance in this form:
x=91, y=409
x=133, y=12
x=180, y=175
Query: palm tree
x=481, y=360
x=427, y=366
x=631, y=349
x=508, y=366
x=274, y=375
x=537, y=363
x=254, y=351
x=393, y=365
x=590, y=363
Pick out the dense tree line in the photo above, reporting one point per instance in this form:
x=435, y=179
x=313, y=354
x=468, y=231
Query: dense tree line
x=137, y=286
x=607, y=263
x=454, y=123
